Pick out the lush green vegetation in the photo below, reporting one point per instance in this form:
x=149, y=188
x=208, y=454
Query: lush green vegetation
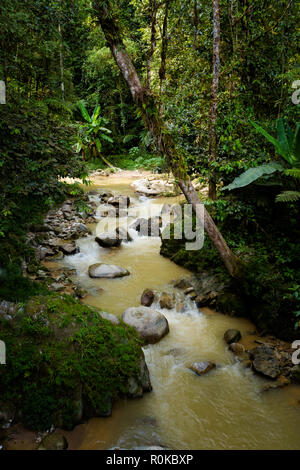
x=67, y=362
x=68, y=111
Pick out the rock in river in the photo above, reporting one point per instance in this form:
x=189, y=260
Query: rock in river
x=265, y=361
x=99, y=270
x=150, y=324
x=201, y=368
x=147, y=298
x=237, y=348
x=167, y=301
x=108, y=239
x=69, y=248
x=232, y=336
x=122, y=201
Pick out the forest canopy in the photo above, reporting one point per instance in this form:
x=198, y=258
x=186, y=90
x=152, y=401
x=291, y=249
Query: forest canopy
x=220, y=75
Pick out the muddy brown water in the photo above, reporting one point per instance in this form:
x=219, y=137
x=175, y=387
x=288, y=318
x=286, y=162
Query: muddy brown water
x=226, y=409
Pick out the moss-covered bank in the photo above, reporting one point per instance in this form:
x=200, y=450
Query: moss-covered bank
x=65, y=363
x=269, y=293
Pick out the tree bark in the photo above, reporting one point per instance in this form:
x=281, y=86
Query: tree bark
x=153, y=7
x=61, y=62
x=214, y=95
x=196, y=23
x=164, y=48
x=163, y=139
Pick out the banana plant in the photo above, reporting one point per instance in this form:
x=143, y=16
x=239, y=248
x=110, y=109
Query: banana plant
x=287, y=145
x=91, y=133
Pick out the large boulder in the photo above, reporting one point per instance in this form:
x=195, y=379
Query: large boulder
x=94, y=358
x=154, y=187
x=143, y=384
x=108, y=239
x=232, y=336
x=108, y=271
x=265, y=361
x=150, y=325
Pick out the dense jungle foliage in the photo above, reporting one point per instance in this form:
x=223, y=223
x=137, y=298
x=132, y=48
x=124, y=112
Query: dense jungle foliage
x=53, y=56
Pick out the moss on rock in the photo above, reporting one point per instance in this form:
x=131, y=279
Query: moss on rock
x=65, y=362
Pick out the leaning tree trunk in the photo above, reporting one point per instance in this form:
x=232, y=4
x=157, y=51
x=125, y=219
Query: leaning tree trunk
x=164, y=141
x=214, y=95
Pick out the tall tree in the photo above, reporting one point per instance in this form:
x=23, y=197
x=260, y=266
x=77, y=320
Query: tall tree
x=148, y=108
x=164, y=47
x=214, y=95
x=153, y=9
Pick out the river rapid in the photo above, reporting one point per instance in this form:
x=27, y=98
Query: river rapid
x=225, y=409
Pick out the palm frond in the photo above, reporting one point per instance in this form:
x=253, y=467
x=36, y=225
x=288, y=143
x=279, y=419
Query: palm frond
x=295, y=172
x=288, y=196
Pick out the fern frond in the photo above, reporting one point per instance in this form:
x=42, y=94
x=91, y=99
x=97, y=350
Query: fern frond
x=295, y=172
x=288, y=196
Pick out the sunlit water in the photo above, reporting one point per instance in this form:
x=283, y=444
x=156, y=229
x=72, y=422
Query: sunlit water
x=225, y=409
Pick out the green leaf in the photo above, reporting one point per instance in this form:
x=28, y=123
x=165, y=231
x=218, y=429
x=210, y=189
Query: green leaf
x=283, y=142
x=98, y=145
x=105, y=137
x=288, y=196
x=84, y=111
x=296, y=144
x=294, y=172
x=269, y=137
x=253, y=174
x=95, y=114
x=128, y=138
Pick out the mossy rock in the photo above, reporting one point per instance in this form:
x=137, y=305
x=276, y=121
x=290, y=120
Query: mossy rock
x=66, y=363
x=264, y=296
x=53, y=441
x=231, y=304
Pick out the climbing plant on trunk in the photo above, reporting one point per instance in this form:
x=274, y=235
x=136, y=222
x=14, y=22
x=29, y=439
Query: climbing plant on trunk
x=214, y=95
x=148, y=109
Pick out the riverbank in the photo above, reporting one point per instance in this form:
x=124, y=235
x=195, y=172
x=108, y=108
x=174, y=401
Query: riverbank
x=195, y=335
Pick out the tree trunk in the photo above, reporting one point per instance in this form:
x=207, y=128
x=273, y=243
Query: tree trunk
x=164, y=48
x=153, y=7
x=164, y=141
x=61, y=62
x=196, y=24
x=106, y=162
x=214, y=95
